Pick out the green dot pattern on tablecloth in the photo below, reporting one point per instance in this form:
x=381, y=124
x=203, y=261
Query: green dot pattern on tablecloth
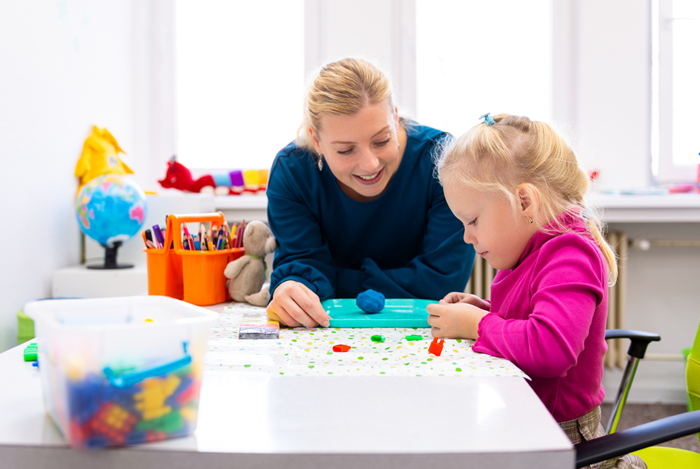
x=309, y=352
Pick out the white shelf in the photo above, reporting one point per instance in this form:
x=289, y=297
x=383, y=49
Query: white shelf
x=242, y=207
x=666, y=208
x=80, y=282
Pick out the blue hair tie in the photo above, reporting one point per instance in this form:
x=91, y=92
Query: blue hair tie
x=488, y=120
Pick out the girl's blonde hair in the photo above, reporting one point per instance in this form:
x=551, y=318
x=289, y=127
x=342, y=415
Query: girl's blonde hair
x=516, y=150
x=342, y=88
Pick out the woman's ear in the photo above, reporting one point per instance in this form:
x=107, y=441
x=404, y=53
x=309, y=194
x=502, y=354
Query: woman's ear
x=315, y=140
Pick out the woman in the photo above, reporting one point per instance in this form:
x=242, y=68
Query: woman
x=354, y=203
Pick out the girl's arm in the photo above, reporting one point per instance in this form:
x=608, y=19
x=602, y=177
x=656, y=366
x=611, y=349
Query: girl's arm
x=566, y=290
x=468, y=298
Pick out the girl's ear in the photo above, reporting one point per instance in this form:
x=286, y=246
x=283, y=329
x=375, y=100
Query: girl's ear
x=315, y=141
x=528, y=195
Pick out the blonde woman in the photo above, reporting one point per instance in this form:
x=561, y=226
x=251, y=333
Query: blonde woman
x=354, y=203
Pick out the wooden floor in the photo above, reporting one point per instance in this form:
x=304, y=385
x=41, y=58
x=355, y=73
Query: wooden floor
x=636, y=414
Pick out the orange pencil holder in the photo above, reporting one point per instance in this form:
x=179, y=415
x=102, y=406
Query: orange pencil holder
x=196, y=277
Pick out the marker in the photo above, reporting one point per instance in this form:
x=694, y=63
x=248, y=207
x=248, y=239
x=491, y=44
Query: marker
x=220, y=239
x=149, y=236
x=234, y=236
x=202, y=237
x=145, y=241
x=241, y=234
x=159, y=236
x=188, y=238
x=227, y=236
x=214, y=236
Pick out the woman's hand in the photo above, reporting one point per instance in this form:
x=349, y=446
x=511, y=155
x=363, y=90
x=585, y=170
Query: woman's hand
x=455, y=320
x=459, y=297
x=294, y=305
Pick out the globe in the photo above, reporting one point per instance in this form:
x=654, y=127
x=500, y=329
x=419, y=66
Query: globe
x=111, y=209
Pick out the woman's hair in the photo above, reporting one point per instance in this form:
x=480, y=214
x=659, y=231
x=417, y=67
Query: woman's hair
x=513, y=151
x=342, y=88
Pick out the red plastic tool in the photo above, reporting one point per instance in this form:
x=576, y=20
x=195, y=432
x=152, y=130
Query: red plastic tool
x=436, y=347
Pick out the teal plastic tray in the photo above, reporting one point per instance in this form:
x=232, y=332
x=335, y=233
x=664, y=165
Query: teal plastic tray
x=397, y=312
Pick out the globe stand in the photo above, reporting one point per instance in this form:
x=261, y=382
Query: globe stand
x=111, y=259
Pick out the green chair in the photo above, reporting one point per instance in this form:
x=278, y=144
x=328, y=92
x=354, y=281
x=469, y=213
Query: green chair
x=25, y=328
x=640, y=439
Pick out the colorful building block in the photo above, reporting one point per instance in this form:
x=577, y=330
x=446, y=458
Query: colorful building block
x=436, y=346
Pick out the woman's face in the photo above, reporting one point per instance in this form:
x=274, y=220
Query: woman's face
x=362, y=150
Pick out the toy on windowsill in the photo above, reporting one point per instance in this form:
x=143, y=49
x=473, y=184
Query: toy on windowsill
x=248, y=273
x=235, y=182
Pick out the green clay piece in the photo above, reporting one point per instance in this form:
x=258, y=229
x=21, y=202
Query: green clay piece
x=378, y=338
x=30, y=352
x=413, y=337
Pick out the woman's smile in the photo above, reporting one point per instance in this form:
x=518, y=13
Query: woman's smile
x=370, y=179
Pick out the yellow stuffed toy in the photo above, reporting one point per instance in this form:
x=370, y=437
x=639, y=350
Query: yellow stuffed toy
x=100, y=156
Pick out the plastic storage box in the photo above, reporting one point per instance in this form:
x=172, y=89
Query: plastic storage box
x=121, y=371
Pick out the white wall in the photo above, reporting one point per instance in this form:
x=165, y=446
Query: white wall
x=379, y=30
x=602, y=86
x=65, y=66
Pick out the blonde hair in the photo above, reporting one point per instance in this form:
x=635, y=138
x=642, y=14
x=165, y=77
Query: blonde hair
x=342, y=88
x=514, y=151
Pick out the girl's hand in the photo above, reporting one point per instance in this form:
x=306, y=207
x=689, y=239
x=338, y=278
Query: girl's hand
x=456, y=320
x=459, y=297
x=294, y=305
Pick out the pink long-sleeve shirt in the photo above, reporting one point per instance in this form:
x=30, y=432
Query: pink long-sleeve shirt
x=548, y=317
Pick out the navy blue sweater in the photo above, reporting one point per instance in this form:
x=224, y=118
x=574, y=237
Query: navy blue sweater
x=404, y=244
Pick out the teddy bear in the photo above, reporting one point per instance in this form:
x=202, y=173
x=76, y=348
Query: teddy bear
x=248, y=273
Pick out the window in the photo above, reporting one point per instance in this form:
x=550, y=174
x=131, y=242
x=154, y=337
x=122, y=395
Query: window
x=240, y=81
x=676, y=93
x=477, y=57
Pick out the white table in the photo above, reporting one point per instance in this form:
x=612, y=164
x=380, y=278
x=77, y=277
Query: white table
x=249, y=420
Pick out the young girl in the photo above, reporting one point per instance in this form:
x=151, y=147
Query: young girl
x=516, y=186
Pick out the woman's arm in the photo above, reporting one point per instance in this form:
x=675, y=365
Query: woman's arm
x=302, y=254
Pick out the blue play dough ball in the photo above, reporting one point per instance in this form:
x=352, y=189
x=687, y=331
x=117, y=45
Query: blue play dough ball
x=370, y=301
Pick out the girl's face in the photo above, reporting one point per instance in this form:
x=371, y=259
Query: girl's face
x=497, y=232
x=363, y=150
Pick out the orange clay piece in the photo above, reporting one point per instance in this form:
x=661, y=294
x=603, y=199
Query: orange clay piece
x=341, y=348
x=436, y=347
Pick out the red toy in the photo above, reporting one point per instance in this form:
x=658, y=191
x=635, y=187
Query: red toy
x=179, y=177
x=341, y=348
x=436, y=347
